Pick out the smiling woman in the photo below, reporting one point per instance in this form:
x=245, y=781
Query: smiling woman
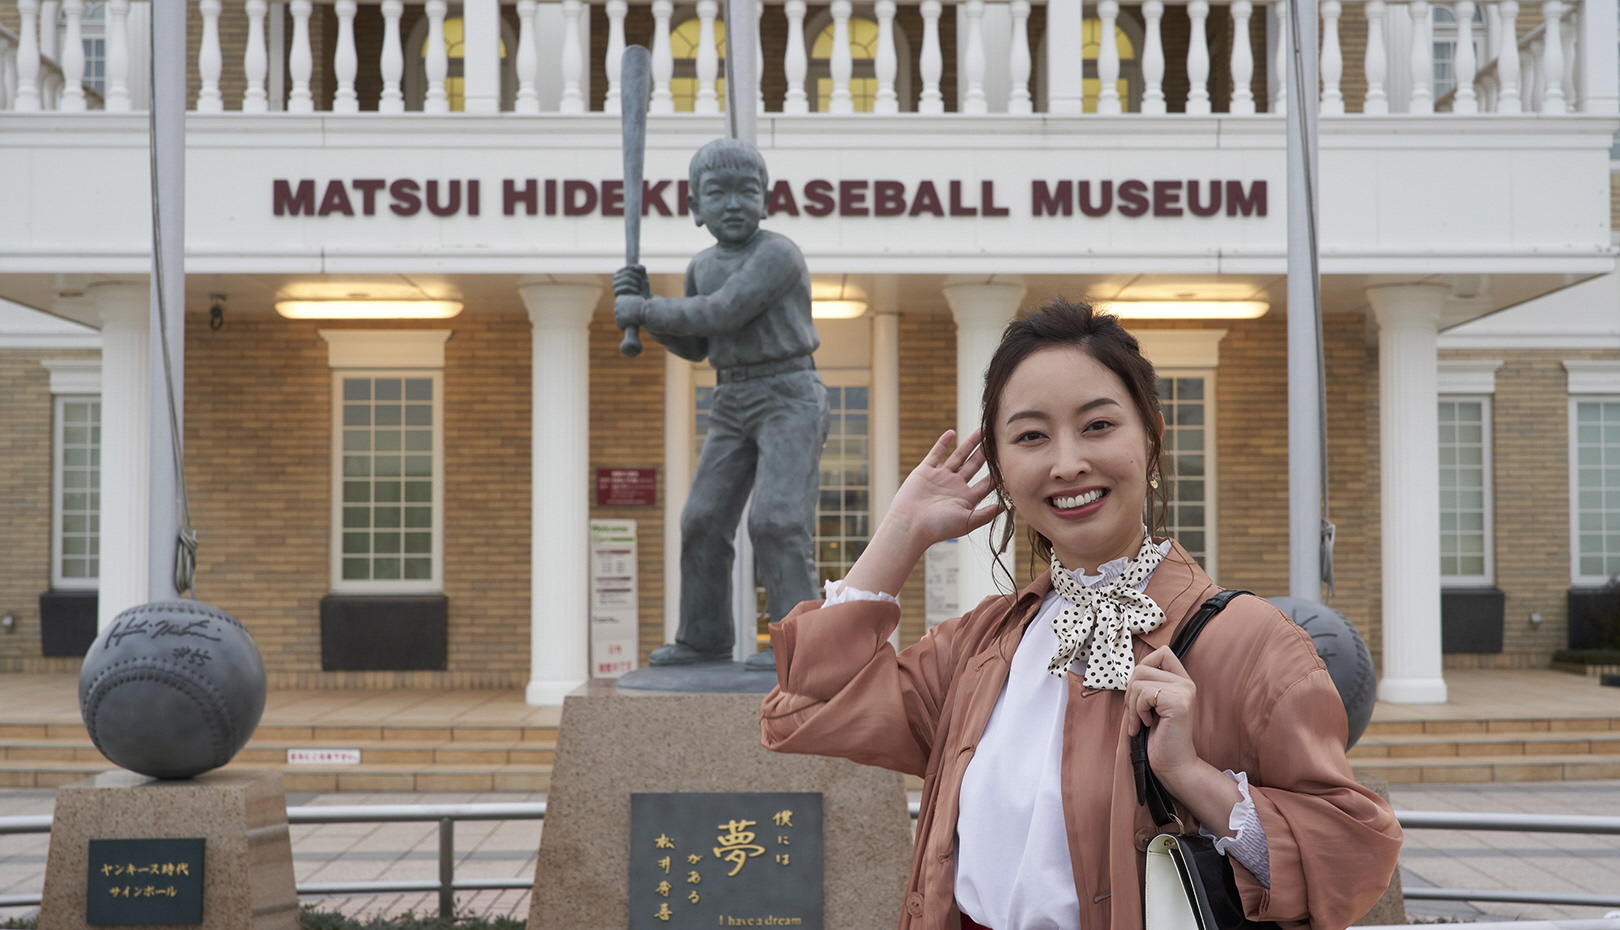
x=1018, y=715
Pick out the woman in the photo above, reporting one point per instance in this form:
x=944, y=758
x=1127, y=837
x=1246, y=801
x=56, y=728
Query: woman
x=1019, y=714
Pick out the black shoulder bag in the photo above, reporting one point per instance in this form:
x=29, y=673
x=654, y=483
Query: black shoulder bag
x=1206, y=883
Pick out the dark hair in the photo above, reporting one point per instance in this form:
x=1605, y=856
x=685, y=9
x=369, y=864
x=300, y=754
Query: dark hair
x=1061, y=323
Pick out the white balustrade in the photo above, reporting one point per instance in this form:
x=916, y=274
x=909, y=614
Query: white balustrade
x=301, y=61
x=973, y=100
x=437, y=61
x=1019, y=101
x=117, y=56
x=611, y=103
x=708, y=59
x=73, y=54
x=663, y=58
x=1108, y=58
x=28, y=96
x=886, y=63
x=1243, y=58
x=1375, y=64
x=345, y=62
x=795, y=61
x=759, y=58
x=1331, y=63
x=1497, y=70
x=1153, y=58
x=255, y=60
x=842, y=64
x=931, y=64
x=1198, y=59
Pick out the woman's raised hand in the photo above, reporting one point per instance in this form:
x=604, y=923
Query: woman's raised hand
x=938, y=501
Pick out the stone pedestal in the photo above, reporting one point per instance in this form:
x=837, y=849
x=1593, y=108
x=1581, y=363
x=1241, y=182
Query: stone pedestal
x=1391, y=908
x=615, y=744
x=242, y=815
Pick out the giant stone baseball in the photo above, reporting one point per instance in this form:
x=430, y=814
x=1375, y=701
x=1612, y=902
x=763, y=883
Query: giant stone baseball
x=1345, y=654
x=172, y=689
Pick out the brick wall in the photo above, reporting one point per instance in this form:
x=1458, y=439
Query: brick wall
x=258, y=439
x=25, y=503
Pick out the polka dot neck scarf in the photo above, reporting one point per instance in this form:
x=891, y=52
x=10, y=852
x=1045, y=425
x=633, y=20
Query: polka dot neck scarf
x=1097, y=623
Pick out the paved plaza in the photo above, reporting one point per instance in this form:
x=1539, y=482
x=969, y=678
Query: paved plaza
x=1449, y=859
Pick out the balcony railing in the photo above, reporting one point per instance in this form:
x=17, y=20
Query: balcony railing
x=1507, y=58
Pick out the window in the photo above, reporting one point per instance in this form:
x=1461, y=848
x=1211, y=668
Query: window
x=1595, y=467
x=684, y=41
x=388, y=475
x=76, y=493
x=1188, y=406
x=1466, y=557
x=863, y=42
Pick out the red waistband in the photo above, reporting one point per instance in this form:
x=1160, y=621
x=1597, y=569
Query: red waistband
x=969, y=923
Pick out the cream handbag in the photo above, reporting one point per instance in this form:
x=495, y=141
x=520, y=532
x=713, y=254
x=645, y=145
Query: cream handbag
x=1174, y=897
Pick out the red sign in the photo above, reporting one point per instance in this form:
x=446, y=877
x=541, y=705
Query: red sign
x=626, y=487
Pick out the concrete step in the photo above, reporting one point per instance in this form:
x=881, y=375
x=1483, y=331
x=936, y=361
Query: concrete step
x=1567, y=742
x=319, y=778
x=1381, y=728
x=1491, y=768
x=269, y=753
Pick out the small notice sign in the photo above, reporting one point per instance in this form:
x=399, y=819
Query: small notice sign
x=145, y=882
x=626, y=487
x=323, y=757
x=615, y=605
x=726, y=860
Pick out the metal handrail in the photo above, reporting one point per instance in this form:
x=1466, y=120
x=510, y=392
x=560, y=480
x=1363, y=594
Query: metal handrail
x=446, y=816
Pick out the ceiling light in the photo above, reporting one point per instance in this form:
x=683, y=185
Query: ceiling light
x=1188, y=309
x=837, y=309
x=368, y=309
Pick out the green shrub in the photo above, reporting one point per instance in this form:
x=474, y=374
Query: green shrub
x=1588, y=656
x=312, y=919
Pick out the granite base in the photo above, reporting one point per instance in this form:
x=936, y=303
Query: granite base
x=612, y=744
x=1391, y=908
x=247, y=873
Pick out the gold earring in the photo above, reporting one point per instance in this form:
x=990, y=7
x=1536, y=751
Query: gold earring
x=1153, y=480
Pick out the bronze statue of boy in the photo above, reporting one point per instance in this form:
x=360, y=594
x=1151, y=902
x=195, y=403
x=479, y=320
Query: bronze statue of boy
x=747, y=308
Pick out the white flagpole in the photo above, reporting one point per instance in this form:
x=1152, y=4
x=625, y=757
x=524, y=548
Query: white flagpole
x=168, y=288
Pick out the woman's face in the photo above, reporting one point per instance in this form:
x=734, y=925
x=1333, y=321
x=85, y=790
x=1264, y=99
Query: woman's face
x=1074, y=455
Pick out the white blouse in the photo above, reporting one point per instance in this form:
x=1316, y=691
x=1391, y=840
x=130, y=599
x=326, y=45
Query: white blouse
x=1013, y=870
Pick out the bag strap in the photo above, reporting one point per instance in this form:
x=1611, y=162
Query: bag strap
x=1149, y=790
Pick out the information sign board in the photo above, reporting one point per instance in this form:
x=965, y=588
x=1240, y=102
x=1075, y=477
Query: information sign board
x=146, y=881
x=726, y=860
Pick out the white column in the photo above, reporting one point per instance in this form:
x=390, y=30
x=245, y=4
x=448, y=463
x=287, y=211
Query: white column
x=1243, y=57
x=481, y=55
x=345, y=60
x=1421, y=98
x=28, y=68
x=125, y=441
x=1153, y=59
x=1332, y=60
x=392, y=61
x=559, y=575
x=1019, y=64
x=1596, y=57
x=1408, y=319
x=573, y=59
x=1375, y=62
x=255, y=60
x=982, y=312
x=842, y=65
x=528, y=61
x=613, y=62
x=1063, y=67
x=1108, y=58
x=436, y=63
x=887, y=62
x=971, y=51
x=795, y=61
x=301, y=61
x=931, y=64
x=1465, y=64
x=663, y=60
x=680, y=429
x=885, y=399
x=708, y=59
x=210, y=62
x=1198, y=60
x=1552, y=58
x=72, y=56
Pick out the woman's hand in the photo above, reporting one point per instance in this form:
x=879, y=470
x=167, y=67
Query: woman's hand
x=938, y=501
x=1163, y=696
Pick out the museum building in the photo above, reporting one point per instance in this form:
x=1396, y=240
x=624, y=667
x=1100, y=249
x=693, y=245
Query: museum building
x=416, y=457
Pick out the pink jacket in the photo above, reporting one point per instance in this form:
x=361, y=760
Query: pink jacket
x=1266, y=707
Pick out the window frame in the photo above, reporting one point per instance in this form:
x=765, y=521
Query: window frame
x=1487, y=486
x=1211, y=563
x=1576, y=578
x=433, y=584
x=59, y=582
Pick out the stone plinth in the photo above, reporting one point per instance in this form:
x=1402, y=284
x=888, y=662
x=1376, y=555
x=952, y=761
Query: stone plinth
x=247, y=872
x=1391, y=908
x=615, y=744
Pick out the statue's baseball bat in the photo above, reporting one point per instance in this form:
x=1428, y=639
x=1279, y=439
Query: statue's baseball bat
x=634, y=92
